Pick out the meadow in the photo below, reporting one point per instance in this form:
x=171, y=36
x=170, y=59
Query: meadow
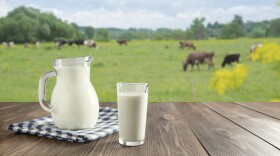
x=158, y=63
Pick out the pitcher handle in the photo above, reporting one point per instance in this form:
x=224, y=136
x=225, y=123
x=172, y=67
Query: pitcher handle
x=42, y=90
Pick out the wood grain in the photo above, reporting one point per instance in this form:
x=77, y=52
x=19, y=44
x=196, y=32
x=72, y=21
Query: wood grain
x=164, y=136
x=269, y=108
x=220, y=136
x=172, y=129
x=8, y=105
x=259, y=124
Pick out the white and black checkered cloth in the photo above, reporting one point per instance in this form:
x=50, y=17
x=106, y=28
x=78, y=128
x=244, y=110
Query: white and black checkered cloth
x=107, y=124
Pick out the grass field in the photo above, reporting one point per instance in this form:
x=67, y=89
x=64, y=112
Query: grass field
x=157, y=62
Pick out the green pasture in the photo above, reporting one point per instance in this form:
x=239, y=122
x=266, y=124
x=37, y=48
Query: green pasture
x=157, y=62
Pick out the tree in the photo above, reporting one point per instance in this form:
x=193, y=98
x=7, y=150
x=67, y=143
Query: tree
x=198, y=28
x=238, y=26
x=257, y=32
x=162, y=34
x=235, y=29
x=25, y=24
x=76, y=32
x=274, y=30
x=101, y=35
x=214, y=30
x=177, y=34
x=189, y=34
x=89, y=32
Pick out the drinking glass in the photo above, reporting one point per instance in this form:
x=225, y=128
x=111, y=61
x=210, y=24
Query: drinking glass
x=132, y=112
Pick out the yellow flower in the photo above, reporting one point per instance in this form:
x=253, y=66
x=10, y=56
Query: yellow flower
x=275, y=100
x=268, y=53
x=225, y=79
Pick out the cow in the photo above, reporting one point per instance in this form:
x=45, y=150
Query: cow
x=37, y=44
x=122, y=42
x=70, y=42
x=230, y=58
x=90, y=43
x=11, y=44
x=5, y=44
x=255, y=47
x=196, y=58
x=183, y=44
x=60, y=43
x=26, y=44
x=8, y=44
x=79, y=42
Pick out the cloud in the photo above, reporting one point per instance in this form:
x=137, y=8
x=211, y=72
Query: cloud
x=134, y=13
x=4, y=8
x=225, y=15
x=57, y=12
x=155, y=19
x=125, y=19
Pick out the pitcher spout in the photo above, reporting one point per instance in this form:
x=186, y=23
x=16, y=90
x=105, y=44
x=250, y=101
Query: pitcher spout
x=73, y=62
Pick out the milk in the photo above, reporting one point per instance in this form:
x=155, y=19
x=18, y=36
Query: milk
x=132, y=107
x=74, y=103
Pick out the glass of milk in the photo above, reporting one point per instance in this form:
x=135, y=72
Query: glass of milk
x=132, y=112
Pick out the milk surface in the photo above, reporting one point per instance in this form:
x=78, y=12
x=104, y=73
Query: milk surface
x=132, y=115
x=74, y=103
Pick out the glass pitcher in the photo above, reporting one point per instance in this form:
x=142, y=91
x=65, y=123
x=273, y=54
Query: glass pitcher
x=74, y=102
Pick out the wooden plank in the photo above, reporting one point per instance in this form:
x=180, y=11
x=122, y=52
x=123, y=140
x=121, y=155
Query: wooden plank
x=167, y=134
x=15, y=112
x=163, y=137
x=269, y=108
x=219, y=136
x=22, y=112
x=259, y=124
x=31, y=114
x=6, y=105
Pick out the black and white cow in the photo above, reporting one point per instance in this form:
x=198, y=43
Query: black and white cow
x=230, y=58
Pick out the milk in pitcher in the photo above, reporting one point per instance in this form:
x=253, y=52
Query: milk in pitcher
x=74, y=103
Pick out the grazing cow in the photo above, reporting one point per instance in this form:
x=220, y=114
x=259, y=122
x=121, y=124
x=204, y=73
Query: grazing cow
x=8, y=44
x=26, y=44
x=11, y=44
x=60, y=43
x=184, y=44
x=5, y=44
x=37, y=44
x=70, y=42
x=196, y=58
x=79, y=42
x=230, y=58
x=255, y=47
x=90, y=43
x=122, y=42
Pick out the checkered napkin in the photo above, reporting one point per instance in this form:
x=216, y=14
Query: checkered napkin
x=107, y=124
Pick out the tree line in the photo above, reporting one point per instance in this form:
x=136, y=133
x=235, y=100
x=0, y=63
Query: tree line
x=27, y=24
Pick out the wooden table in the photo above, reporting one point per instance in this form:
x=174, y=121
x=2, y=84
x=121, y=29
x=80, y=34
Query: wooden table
x=172, y=129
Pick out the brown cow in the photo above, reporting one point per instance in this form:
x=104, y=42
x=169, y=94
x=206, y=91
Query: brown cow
x=184, y=44
x=122, y=42
x=196, y=58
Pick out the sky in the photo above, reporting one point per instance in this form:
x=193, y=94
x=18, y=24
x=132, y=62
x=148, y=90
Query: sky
x=175, y=14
